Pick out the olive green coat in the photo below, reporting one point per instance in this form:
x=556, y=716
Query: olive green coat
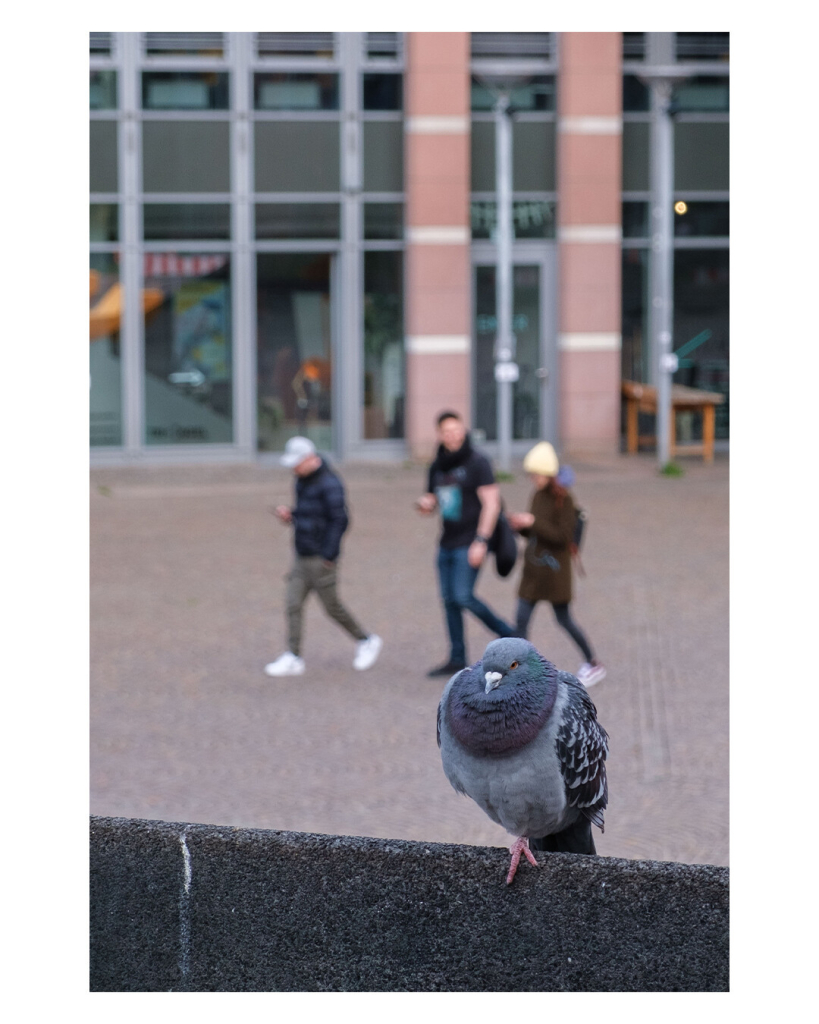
x=551, y=534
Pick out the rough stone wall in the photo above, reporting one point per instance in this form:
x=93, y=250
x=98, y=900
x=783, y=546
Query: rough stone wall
x=180, y=907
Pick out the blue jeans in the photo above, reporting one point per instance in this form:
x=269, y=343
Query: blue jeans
x=457, y=579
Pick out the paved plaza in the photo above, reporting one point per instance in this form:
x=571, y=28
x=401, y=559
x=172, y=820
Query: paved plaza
x=187, y=590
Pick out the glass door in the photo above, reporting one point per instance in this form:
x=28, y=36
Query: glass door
x=294, y=363
x=534, y=413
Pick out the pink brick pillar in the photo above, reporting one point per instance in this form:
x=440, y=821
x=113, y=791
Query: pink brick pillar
x=589, y=238
x=438, y=295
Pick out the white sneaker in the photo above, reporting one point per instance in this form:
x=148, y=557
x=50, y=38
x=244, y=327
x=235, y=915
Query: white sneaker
x=287, y=664
x=591, y=674
x=367, y=651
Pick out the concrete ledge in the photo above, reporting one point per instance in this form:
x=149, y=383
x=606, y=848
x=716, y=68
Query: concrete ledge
x=180, y=907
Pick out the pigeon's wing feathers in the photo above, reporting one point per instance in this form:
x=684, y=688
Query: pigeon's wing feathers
x=582, y=745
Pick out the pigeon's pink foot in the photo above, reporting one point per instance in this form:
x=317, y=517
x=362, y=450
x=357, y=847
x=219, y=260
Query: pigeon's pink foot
x=519, y=846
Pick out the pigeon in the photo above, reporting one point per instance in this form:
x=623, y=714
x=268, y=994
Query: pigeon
x=521, y=738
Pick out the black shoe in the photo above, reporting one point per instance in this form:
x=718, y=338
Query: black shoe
x=449, y=668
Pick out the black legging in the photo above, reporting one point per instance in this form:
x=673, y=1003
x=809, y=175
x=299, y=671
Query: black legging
x=564, y=619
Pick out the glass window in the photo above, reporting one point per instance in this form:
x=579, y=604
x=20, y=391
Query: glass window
x=703, y=93
x=526, y=325
x=531, y=218
x=186, y=156
x=106, y=372
x=635, y=347
x=298, y=220
x=185, y=90
x=103, y=159
x=511, y=45
x=297, y=156
x=287, y=90
x=382, y=91
x=294, y=354
x=384, y=387
x=700, y=156
x=383, y=144
x=635, y=156
x=536, y=93
x=634, y=45
x=383, y=221
x=533, y=156
x=295, y=44
x=168, y=221
x=635, y=220
x=383, y=44
x=482, y=152
x=700, y=219
x=188, y=362
x=184, y=44
x=701, y=289
x=100, y=44
x=702, y=45
x=103, y=90
x=104, y=225
x=636, y=95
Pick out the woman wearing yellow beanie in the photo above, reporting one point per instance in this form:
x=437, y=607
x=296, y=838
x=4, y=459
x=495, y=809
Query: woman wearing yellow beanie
x=547, y=563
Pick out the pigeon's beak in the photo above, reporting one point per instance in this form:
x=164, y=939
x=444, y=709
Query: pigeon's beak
x=492, y=680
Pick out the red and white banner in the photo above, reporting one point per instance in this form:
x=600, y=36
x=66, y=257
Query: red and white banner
x=169, y=264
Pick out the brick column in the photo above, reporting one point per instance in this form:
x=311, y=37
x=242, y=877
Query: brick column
x=438, y=293
x=590, y=127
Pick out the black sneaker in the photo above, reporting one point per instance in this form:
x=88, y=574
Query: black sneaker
x=449, y=668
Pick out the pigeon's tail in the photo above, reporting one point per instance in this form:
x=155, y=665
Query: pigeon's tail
x=575, y=838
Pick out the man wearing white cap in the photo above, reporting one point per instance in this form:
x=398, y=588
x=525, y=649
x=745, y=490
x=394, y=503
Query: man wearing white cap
x=319, y=519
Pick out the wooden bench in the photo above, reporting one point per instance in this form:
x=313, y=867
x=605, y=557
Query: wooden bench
x=643, y=398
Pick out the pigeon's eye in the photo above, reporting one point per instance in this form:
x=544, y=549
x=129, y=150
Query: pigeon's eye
x=514, y=664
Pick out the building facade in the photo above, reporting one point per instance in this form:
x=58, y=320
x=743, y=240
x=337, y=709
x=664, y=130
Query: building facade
x=296, y=233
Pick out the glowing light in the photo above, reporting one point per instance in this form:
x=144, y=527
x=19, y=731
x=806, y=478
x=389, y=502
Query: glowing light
x=681, y=207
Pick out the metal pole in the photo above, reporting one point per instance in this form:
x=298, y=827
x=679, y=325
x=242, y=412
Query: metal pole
x=504, y=338
x=662, y=242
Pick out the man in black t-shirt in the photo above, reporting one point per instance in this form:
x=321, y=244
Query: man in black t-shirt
x=462, y=485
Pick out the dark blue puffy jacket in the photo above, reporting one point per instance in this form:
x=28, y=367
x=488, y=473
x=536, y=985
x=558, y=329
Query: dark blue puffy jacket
x=320, y=516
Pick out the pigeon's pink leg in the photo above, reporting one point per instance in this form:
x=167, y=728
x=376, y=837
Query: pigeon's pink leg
x=519, y=846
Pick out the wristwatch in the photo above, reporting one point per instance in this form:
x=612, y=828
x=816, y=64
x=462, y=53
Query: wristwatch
x=483, y=540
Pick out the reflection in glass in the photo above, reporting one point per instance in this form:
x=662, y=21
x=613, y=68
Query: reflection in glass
x=703, y=93
x=104, y=225
x=635, y=220
x=297, y=156
x=702, y=219
x=531, y=218
x=383, y=143
x=185, y=90
x=533, y=156
x=635, y=156
x=103, y=90
x=197, y=221
x=186, y=156
x=384, y=386
x=634, y=352
x=294, y=349
x=702, y=45
x=287, y=90
x=104, y=361
x=188, y=360
x=701, y=335
x=526, y=327
x=701, y=156
x=636, y=95
x=537, y=93
x=298, y=220
x=383, y=221
x=382, y=91
x=103, y=156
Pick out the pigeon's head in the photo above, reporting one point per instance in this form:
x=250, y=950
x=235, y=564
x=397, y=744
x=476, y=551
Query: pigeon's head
x=510, y=662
